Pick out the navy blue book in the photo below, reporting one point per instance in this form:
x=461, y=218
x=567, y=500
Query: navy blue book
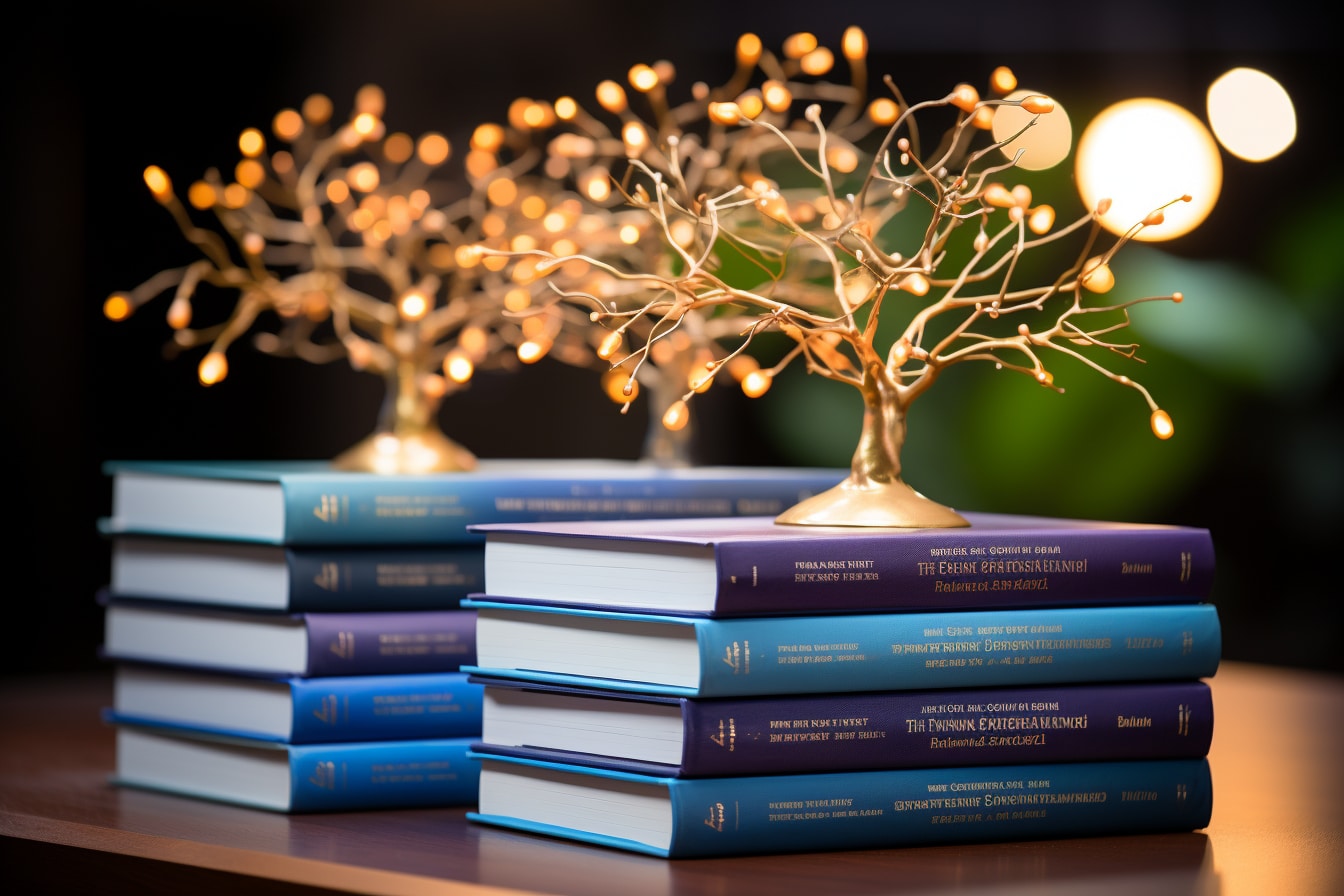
x=729, y=816
x=276, y=644
x=298, y=710
x=753, y=566
x=335, y=777
x=792, y=733
x=309, y=502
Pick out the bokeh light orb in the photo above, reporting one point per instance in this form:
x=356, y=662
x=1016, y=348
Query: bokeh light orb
x=1142, y=154
x=1043, y=145
x=1251, y=114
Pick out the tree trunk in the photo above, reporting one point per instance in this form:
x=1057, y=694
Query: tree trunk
x=874, y=494
x=408, y=438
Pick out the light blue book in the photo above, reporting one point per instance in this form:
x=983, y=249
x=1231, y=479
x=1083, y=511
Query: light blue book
x=732, y=657
x=728, y=816
x=309, y=502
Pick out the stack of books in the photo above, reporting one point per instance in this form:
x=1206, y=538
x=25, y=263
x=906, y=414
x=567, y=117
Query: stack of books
x=715, y=687
x=291, y=637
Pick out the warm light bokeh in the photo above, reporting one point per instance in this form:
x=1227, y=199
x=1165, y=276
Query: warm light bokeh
x=1142, y=154
x=1043, y=145
x=1251, y=114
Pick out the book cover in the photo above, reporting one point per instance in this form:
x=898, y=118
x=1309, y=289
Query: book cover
x=795, y=733
x=702, y=817
x=304, y=644
x=751, y=566
x=698, y=657
x=294, y=579
x=290, y=778
x=298, y=710
x=309, y=502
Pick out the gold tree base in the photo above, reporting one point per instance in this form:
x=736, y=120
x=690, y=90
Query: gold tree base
x=872, y=504
x=421, y=451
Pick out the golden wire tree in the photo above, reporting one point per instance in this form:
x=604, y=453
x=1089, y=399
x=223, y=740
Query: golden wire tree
x=590, y=151
x=879, y=266
x=336, y=239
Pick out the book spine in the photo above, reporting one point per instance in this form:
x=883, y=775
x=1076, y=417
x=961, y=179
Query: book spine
x=873, y=810
x=904, y=651
x=384, y=775
x=385, y=707
x=390, y=643
x=959, y=727
x=1088, y=565
x=438, y=511
x=357, y=579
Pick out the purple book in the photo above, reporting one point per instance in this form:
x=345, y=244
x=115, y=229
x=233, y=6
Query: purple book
x=304, y=644
x=690, y=737
x=752, y=566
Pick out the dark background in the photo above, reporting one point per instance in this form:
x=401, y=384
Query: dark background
x=96, y=94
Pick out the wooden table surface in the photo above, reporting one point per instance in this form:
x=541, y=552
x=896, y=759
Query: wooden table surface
x=1278, y=826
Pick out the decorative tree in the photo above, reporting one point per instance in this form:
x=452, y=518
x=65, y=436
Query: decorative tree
x=585, y=147
x=787, y=225
x=342, y=244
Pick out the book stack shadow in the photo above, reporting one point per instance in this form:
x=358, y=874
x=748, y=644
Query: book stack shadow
x=717, y=687
x=289, y=637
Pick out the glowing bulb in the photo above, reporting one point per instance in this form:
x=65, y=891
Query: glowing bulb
x=287, y=125
x=251, y=143
x=413, y=305
x=434, y=149
x=611, y=343
x=531, y=351
x=458, y=367
x=1162, y=425
x=965, y=97
x=1142, y=154
x=1097, y=276
x=201, y=195
x=619, y=386
x=756, y=383
x=117, y=306
x=643, y=78
x=915, y=283
x=159, y=183
x=1043, y=145
x=677, y=416
x=213, y=368
x=1251, y=114
x=1002, y=80
x=611, y=96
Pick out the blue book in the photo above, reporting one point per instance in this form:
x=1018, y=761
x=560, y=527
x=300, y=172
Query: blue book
x=294, y=579
x=297, y=710
x=275, y=644
x=729, y=816
x=702, y=657
x=309, y=502
x=338, y=777
x=791, y=733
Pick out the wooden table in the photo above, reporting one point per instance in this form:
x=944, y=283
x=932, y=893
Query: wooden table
x=1278, y=826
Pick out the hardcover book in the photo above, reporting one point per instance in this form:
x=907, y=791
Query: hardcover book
x=698, y=657
x=309, y=502
x=702, y=817
x=795, y=733
x=295, y=579
x=751, y=566
x=298, y=710
x=337, y=777
x=304, y=644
